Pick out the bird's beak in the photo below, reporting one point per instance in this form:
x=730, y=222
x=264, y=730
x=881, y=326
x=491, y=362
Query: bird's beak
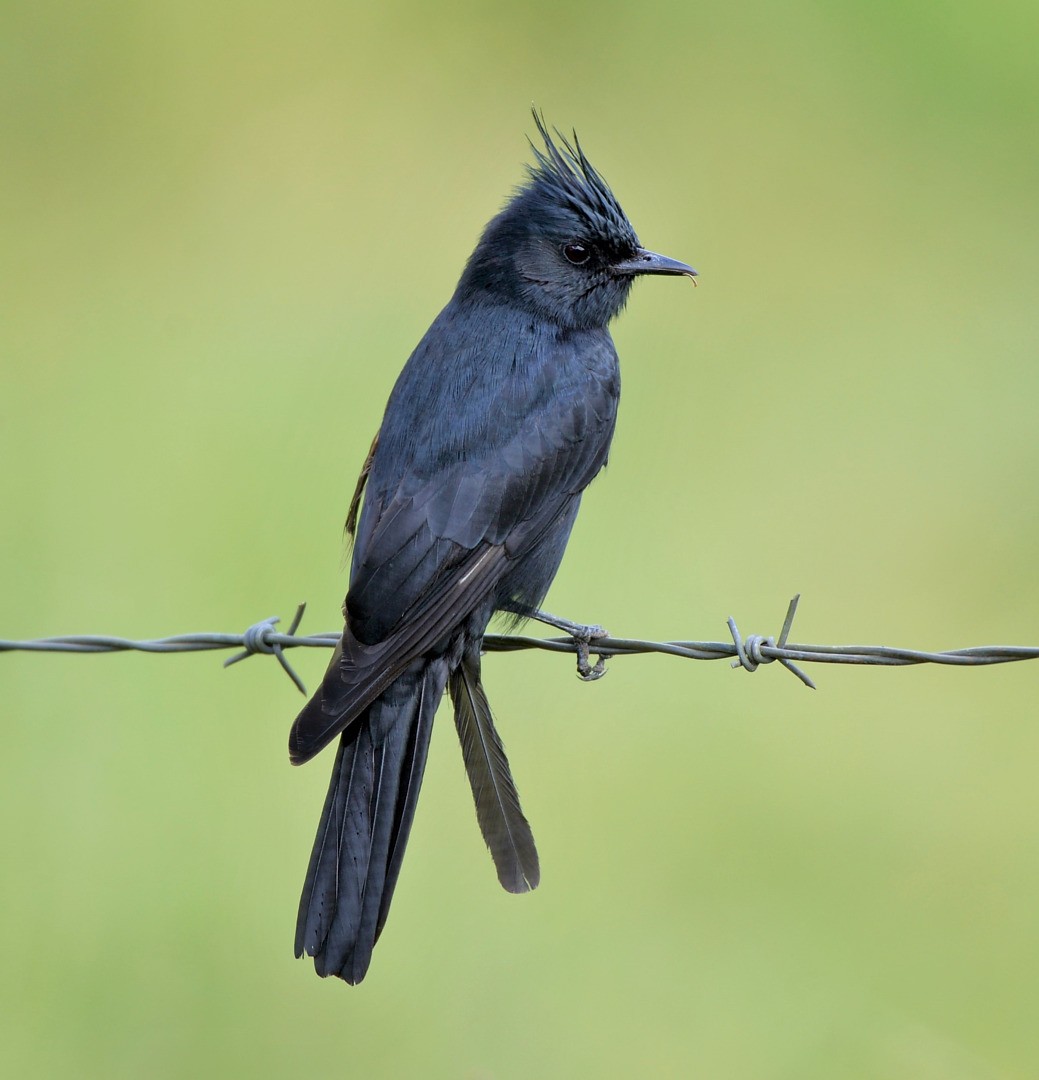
x=649, y=262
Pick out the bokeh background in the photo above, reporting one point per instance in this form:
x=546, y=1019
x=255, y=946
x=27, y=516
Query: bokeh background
x=225, y=226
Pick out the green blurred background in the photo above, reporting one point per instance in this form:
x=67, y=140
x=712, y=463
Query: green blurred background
x=225, y=226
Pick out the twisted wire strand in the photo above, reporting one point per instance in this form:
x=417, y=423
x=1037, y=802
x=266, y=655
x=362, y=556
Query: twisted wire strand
x=747, y=652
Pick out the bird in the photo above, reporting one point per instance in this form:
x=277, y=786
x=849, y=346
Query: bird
x=499, y=420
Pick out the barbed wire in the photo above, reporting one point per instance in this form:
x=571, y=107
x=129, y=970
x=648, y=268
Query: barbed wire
x=748, y=652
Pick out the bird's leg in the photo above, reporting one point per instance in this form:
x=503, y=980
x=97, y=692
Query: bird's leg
x=578, y=631
x=583, y=637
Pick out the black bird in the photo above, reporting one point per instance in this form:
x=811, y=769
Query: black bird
x=499, y=421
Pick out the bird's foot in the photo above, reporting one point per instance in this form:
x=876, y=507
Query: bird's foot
x=583, y=636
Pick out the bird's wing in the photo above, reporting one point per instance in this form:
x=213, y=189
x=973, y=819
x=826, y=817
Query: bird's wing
x=434, y=545
x=355, y=500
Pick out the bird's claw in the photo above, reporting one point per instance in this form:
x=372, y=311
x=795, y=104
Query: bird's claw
x=587, y=672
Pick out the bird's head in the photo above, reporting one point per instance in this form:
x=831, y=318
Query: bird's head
x=562, y=247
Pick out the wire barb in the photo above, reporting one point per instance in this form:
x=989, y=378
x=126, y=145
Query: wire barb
x=749, y=652
x=257, y=639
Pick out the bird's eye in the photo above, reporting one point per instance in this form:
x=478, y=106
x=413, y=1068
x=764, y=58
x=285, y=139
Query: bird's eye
x=576, y=252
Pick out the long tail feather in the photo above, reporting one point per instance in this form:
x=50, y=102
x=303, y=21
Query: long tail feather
x=407, y=797
x=498, y=810
x=365, y=825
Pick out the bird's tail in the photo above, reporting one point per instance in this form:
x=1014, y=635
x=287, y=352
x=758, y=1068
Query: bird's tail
x=365, y=824
x=498, y=809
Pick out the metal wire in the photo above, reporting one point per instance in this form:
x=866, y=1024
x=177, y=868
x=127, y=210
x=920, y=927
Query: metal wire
x=747, y=652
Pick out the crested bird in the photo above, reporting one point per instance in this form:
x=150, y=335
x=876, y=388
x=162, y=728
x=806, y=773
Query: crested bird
x=500, y=419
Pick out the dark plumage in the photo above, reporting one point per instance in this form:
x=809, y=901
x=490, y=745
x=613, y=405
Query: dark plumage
x=500, y=419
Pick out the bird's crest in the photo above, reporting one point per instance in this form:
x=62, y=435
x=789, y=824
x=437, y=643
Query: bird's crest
x=564, y=174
